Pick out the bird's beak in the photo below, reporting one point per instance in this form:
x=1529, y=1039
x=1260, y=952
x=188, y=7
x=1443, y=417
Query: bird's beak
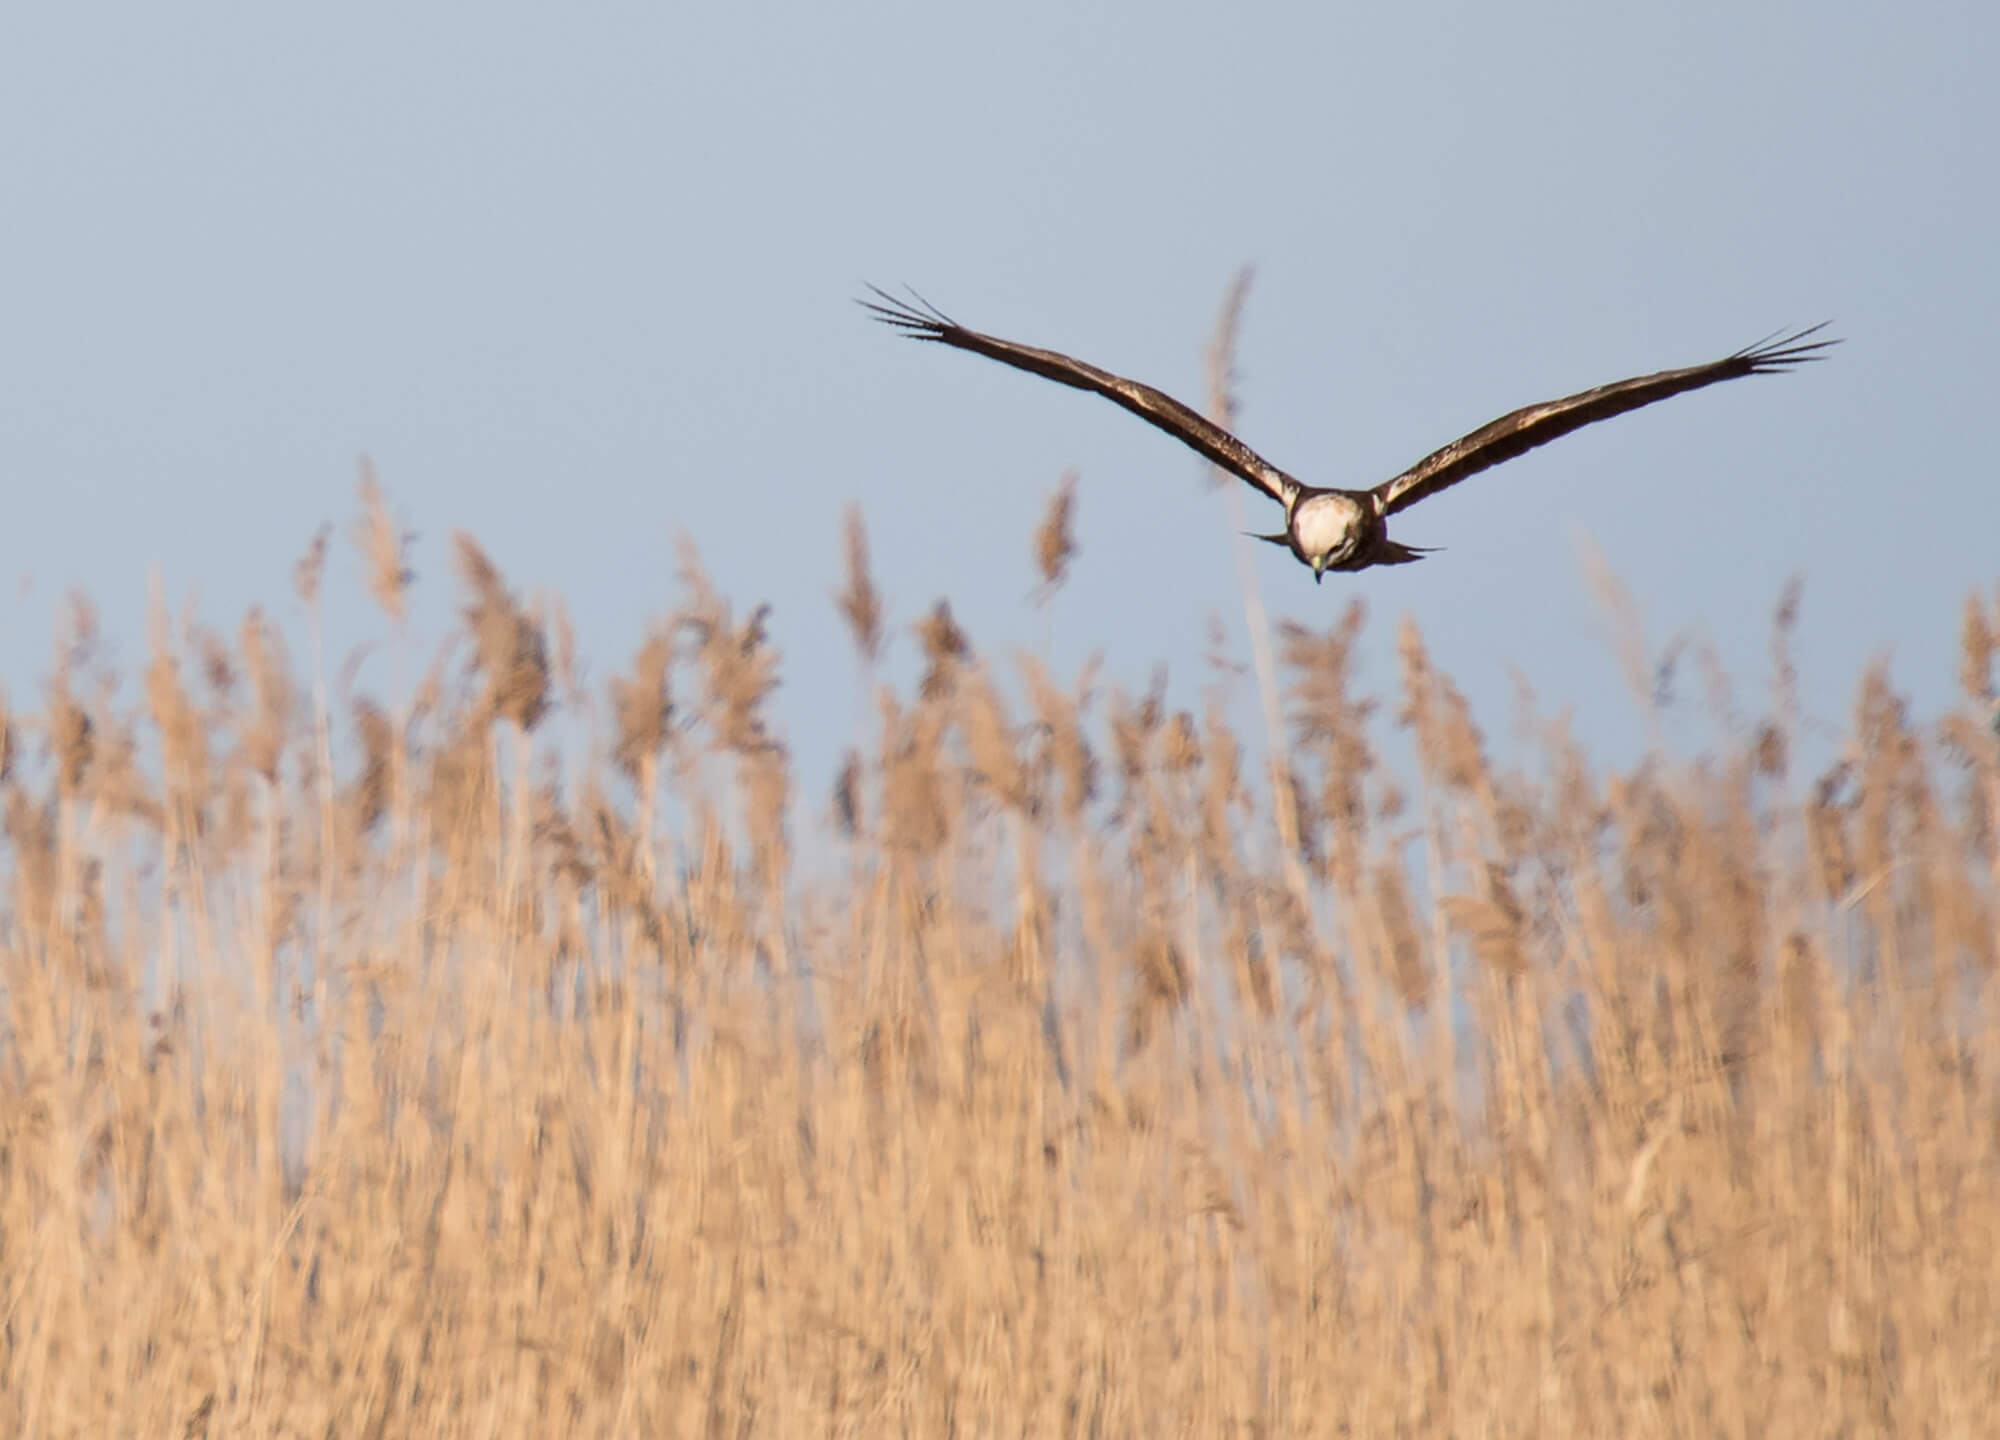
x=1319, y=569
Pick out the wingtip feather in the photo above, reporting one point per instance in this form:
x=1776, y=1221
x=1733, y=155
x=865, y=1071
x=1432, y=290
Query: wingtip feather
x=921, y=320
x=1781, y=350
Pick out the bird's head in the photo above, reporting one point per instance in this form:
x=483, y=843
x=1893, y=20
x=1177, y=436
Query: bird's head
x=1328, y=528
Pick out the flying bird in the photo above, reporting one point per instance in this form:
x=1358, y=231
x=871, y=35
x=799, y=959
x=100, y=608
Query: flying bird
x=1348, y=529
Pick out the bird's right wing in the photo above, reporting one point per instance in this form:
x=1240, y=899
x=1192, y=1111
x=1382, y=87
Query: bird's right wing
x=1524, y=429
x=922, y=321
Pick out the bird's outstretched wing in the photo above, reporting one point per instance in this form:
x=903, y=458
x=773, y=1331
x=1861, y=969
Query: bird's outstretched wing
x=917, y=317
x=1533, y=425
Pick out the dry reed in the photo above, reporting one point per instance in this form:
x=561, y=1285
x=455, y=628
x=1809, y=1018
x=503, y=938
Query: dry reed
x=438, y=1094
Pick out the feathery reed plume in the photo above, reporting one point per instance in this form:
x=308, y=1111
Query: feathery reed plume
x=1181, y=751
x=368, y=799
x=859, y=601
x=989, y=739
x=71, y=731
x=183, y=737
x=79, y=647
x=72, y=735
x=1055, y=538
x=31, y=845
x=1400, y=942
x=1492, y=922
x=117, y=784
x=738, y=668
x=1784, y=669
x=1066, y=752
x=569, y=672
x=1222, y=776
x=1330, y=725
x=1801, y=983
x=847, y=796
x=642, y=708
x=1132, y=731
x=1972, y=734
x=383, y=547
x=271, y=695
x=509, y=649
x=915, y=818
x=1449, y=744
x=218, y=671
x=311, y=568
x=1882, y=732
x=1976, y=646
x=945, y=649
x=1826, y=834
x=1159, y=987
x=1769, y=754
x=619, y=869
x=461, y=785
x=568, y=858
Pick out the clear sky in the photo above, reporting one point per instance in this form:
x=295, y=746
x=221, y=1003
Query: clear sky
x=579, y=279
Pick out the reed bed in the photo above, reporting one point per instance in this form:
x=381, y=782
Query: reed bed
x=498, y=1058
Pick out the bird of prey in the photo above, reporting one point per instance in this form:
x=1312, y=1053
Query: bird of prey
x=1348, y=529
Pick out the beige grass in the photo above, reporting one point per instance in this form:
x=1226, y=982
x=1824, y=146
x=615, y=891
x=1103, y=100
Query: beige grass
x=369, y=1074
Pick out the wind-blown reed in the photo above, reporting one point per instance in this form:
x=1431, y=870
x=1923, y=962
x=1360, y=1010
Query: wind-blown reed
x=372, y=1073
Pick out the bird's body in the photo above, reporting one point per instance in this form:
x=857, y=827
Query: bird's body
x=1330, y=529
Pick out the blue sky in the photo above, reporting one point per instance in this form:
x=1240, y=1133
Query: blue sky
x=579, y=280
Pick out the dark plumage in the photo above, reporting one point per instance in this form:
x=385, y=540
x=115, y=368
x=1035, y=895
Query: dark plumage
x=1346, y=529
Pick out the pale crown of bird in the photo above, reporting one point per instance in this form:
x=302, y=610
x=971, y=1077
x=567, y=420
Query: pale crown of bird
x=1327, y=523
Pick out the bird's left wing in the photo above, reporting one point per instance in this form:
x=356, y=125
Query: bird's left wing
x=923, y=321
x=1533, y=425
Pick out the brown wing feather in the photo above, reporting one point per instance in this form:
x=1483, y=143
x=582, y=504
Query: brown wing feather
x=924, y=322
x=1533, y=425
